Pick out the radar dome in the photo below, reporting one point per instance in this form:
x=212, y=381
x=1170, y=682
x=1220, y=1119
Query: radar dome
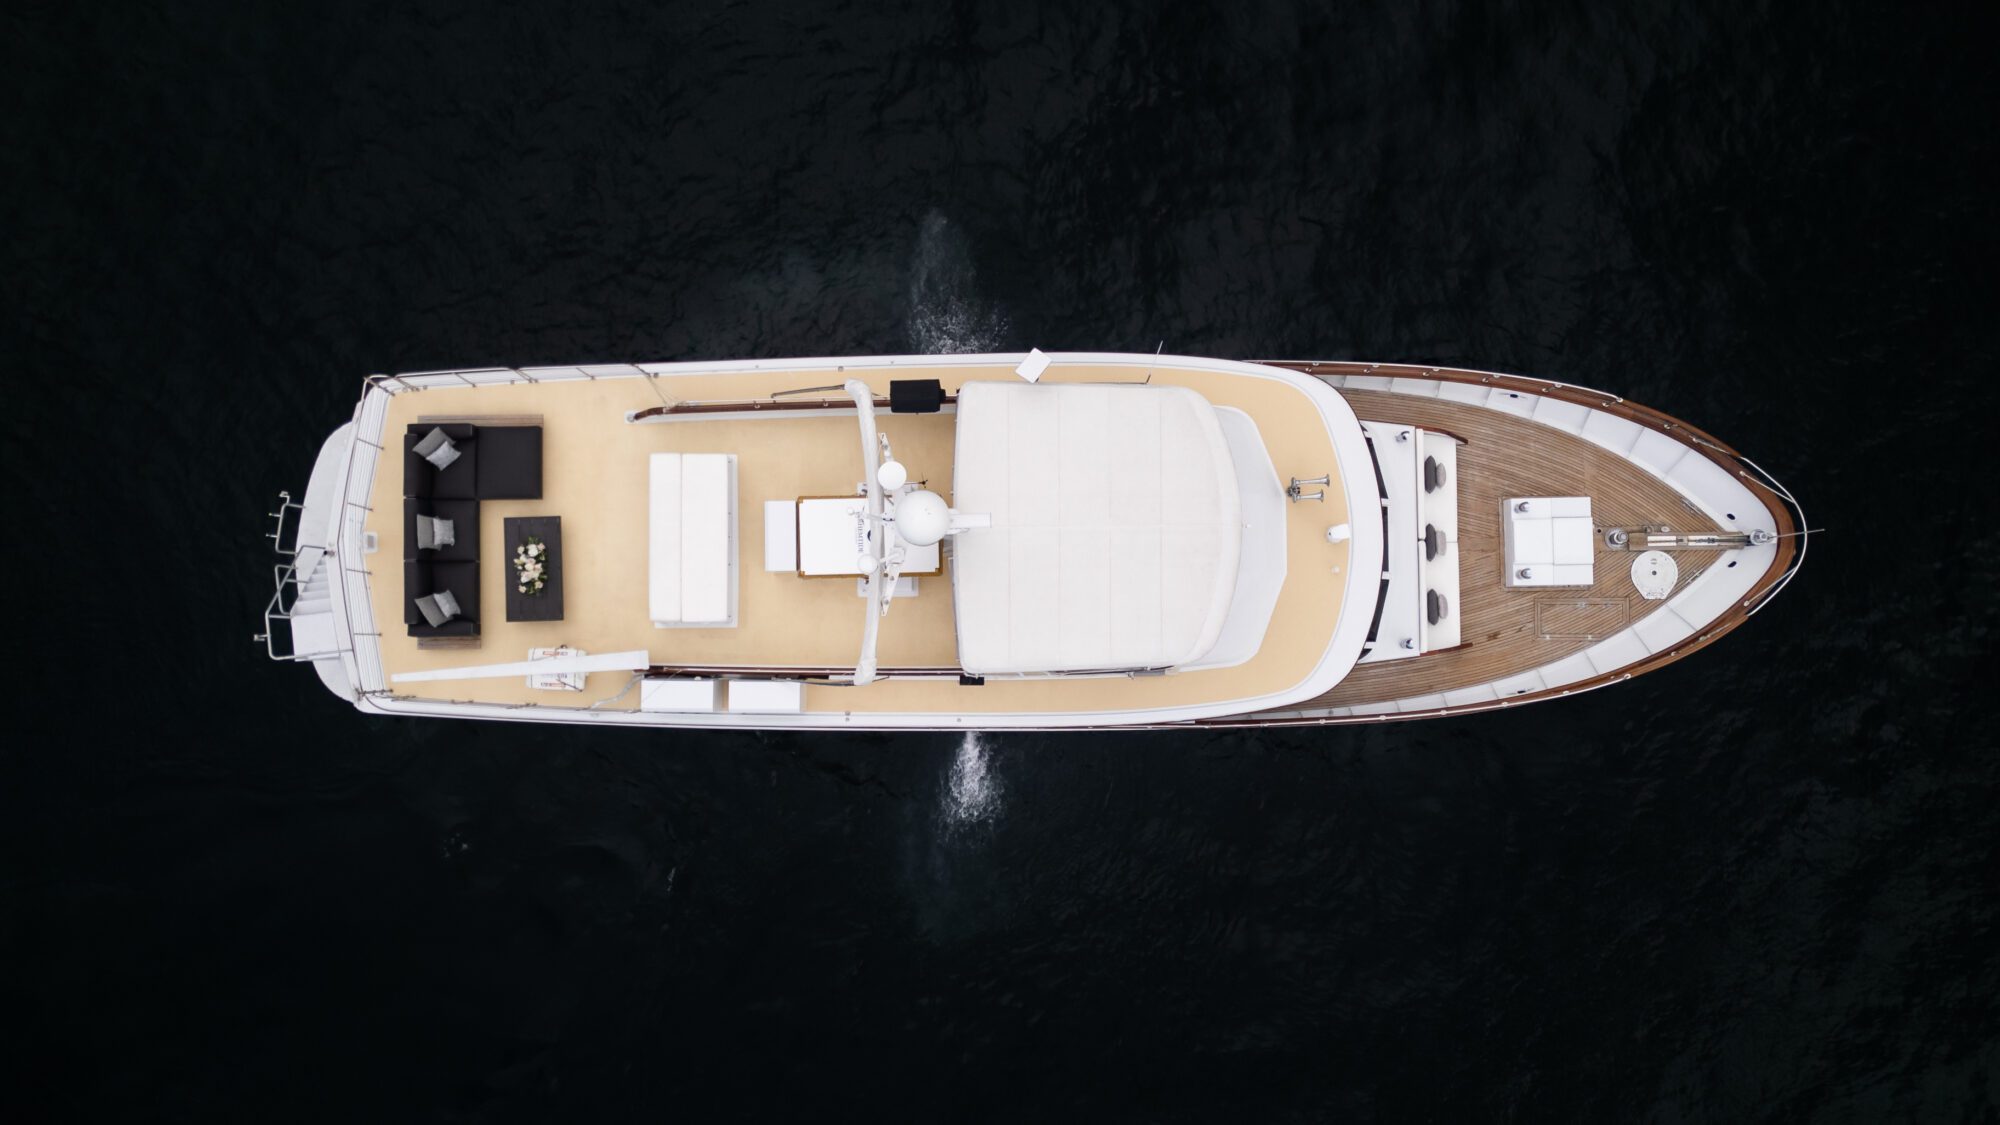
x=922, y=518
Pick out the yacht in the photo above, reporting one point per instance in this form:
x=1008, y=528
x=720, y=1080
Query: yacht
x=1066, y=540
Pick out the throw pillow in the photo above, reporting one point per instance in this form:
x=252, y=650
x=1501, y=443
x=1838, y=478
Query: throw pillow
x=443, y=455
x=442, y=532
x=427, y=539
x=431, y=442
x=434, y=614
x=447, y=603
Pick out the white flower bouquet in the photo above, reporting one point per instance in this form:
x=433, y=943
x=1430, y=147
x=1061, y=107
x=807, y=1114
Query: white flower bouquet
x=531, y=561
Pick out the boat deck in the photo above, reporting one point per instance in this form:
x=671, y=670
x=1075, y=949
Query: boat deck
x=1509, y=631
x=594, y=477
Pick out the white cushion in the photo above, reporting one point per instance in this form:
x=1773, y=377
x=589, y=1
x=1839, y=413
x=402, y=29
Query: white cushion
x=1553, y=539
x=691, y=539
x=1534, y=541
x=787, y=697
x=1116, y=527
x=677, y=695
x=1423, y=388
x=1726, y=499
x=1523, y=684
x=707, y=531
x=1662, y=629
x=1568, y=670
x=1718, y=588
x=1480, y=693
x=663, y=545
x=781, y=535
x=1620, y=650
x=1610, y=431
x=1572, y=539
x=1567, y=416
x=1658, y=452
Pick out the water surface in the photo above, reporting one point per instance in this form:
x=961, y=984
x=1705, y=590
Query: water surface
x=1755, y=885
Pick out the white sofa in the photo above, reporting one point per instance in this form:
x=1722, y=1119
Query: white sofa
x=691, y=562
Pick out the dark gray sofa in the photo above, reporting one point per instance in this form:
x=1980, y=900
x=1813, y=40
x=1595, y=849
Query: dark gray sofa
x=494, y=463
x=421, y=579
x=464, y=517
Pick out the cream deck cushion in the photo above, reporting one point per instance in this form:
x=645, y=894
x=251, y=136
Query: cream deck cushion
x=1116, y=528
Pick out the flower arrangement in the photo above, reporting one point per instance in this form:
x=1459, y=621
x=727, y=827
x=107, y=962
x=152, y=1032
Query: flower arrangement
x=531, y=560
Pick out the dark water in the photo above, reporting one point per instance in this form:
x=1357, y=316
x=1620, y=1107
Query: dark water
x=1757, y=885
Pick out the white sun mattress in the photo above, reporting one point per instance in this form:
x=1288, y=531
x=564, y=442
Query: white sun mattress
x=1116, y=527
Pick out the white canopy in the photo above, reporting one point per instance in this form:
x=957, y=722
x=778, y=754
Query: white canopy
x=1116, y=527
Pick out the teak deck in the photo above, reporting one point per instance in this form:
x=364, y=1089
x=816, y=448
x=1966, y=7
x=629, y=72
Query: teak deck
x=1509, y=631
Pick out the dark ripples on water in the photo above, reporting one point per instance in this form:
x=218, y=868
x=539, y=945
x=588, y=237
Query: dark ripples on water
x=1756, y=885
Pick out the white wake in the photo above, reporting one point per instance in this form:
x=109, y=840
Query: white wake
x=947, y=314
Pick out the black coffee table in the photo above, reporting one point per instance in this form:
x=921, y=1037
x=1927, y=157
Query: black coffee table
x=547, y=605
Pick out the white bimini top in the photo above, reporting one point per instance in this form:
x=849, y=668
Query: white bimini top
x=1115, y=527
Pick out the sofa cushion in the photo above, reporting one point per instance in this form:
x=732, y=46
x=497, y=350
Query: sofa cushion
x=422, y=579
x=416, y=584
x=434, y=533
x=437, y=448
x=433, y=613
x=447, y=603
x=459, y=480
x=461, y=579
x=510, y=463
x=463, y=515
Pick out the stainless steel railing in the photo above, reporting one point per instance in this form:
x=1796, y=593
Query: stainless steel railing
x=284, y=579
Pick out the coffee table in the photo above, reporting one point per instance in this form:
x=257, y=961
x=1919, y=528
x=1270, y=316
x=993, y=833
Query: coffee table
x=547, y=605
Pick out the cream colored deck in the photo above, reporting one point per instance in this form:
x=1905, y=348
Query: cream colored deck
x=594, y=477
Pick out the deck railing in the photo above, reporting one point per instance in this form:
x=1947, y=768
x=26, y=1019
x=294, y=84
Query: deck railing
x=284, y=579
